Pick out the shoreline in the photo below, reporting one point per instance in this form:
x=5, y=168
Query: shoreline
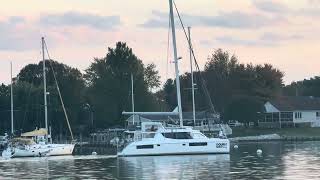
x=273, y=137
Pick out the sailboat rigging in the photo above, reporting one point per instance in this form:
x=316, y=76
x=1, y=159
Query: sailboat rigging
x=155, y=139
x=11, y=97
x=36, y=143
x=203, y=84
x=58, y=89
x=192, y=82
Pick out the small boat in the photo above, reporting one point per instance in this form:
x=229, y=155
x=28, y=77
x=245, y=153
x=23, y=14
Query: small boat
x=33, y=144
x=24, y=147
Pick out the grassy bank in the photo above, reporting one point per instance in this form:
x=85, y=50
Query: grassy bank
x=284, y=132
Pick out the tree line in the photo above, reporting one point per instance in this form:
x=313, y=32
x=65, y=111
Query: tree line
x=96, y=98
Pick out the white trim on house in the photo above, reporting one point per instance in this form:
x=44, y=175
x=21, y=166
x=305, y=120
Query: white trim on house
x=270, y=108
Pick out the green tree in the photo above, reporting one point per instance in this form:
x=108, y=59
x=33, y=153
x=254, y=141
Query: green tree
x=237, y=90
x=218, y=71
x=4, y=108
x=307, y=87
x=109, y=84
x=151, y=76
x=169, y=90
x=244, y=109
x=72, y=86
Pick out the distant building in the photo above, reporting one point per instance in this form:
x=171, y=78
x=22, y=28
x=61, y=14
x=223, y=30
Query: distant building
x=293, y=111
x=235, y=123
x=105, y=136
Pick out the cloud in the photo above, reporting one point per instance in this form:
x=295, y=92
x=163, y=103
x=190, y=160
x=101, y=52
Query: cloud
x=20, y=34
x=16, y=20
x=81, y=19
x=274, y=7
x=234, y=19
x=236, y=41
x=271, y=37
x=270, y=6
x=314, y=2
x=313, y=11
x=159, y=20
x=15, y=35
x=266, y=39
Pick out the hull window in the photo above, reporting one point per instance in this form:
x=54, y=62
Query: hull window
x=145, y=147
x=198, y=144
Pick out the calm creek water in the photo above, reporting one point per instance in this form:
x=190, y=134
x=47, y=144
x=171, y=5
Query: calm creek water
x=279, y=160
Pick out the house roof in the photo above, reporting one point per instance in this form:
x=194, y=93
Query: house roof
x=292, y=103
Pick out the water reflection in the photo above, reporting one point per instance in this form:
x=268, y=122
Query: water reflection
x=33, y=168
x=175, y=167
x=68, y=167
x=302, y=161
x=299, y=160
x=247, y=164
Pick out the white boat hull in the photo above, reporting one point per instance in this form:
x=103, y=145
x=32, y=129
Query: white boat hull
x=61, y=149
x=176, y=147
x=41, y=150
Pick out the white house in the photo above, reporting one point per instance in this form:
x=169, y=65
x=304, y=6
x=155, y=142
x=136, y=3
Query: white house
x=291, y=111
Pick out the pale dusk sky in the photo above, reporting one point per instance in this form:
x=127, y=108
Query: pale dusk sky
x=284, y=33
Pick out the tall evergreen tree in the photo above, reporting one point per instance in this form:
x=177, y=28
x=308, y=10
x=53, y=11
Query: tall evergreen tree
x=110, y=85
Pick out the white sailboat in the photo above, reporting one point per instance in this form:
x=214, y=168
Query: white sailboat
x=155, y=139
x=36, y=143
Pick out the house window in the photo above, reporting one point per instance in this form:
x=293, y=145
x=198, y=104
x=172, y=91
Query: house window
x=318, y=114
x=286, y=116
x=275, y=117
x=268, y=117
x=298, y=115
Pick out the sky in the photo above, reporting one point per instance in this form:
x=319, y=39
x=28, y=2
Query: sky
x=284, y=33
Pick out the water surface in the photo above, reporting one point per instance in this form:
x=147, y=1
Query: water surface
x=299, y=160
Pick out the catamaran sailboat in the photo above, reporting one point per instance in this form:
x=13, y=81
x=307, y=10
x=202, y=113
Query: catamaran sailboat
x=155, y=139
x=36, y=143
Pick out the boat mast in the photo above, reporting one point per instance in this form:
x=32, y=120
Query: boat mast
x=132, y=98
x=192, y=83
x=11, y=92
x=176, y=61
x=44, y=88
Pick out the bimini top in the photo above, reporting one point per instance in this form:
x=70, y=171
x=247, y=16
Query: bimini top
x=21, y=141
x=37, y=132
